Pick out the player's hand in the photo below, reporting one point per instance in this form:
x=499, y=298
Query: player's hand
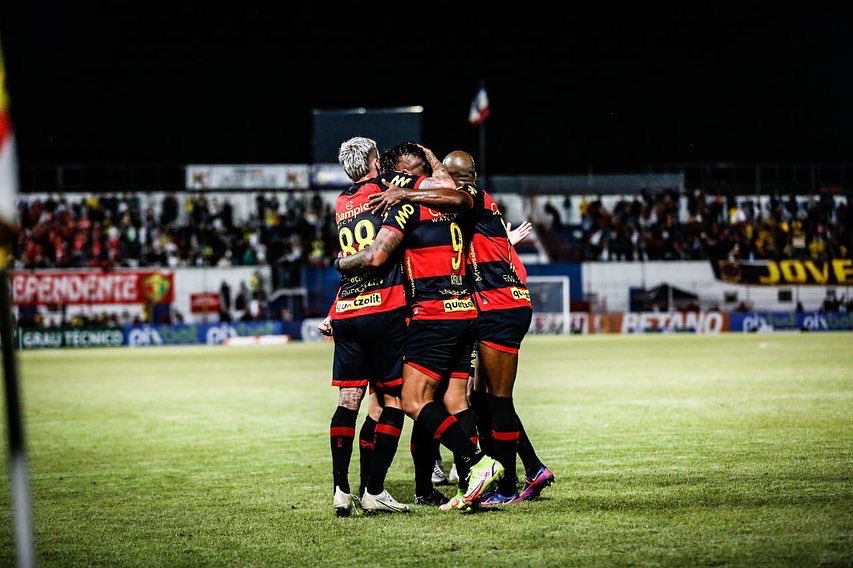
x=325, y=327
x=429, y=153
x=379, y=203
x=519, y=233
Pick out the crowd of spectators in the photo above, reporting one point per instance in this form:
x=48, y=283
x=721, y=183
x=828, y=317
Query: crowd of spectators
x=694, y=225
x=291, y=230
x=117, y=231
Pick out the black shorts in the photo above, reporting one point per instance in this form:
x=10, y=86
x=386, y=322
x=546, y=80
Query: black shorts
x=504, y=329
x=369, y=351
x=441, y=349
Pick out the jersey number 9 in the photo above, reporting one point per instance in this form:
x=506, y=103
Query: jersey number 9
x=458, y=244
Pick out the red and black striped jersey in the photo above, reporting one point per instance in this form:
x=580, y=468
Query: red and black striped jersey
x=497, y=281
x=378, y=290
x=434, y=260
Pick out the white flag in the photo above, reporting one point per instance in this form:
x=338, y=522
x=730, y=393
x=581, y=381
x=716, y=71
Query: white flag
x=8, y=159
x=479, y=107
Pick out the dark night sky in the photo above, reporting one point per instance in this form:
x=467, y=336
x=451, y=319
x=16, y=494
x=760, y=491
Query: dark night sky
x=141, y=83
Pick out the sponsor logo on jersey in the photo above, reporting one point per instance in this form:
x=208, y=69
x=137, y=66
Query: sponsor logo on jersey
x=401, y=217
x=351, y=212
x=362, y=286
x=459, y=305
x=475, y=266
x=449, y=292
x=401, y=181
x=366, y=301
x=519, y=294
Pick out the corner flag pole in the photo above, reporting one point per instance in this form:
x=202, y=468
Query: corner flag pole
x=22, y=513
x=482, y=165
x=19, y=472
x=477, y=116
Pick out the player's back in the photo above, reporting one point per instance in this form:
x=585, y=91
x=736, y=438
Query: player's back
x=378, y=290
x=433, y=261
x=496, y=281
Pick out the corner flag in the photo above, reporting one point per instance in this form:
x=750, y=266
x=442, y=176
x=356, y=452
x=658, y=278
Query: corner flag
x=8, y=163
x=19, y=471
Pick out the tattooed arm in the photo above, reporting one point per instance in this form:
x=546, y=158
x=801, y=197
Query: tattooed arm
x=440, y=178
x=375, y=255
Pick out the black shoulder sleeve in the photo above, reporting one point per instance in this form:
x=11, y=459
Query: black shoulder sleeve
x=399, y=179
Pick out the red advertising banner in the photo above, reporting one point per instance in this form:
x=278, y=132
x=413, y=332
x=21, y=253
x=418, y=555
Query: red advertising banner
x=86, y=288
x=204, y=303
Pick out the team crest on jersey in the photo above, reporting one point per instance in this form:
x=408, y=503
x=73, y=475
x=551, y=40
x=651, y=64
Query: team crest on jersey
x=365, y=301
x=458, y=305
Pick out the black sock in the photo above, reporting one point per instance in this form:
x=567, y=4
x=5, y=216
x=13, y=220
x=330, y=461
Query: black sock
x=438, y=423
x=423, y=456
x=365, y=450
x=468, y=425
x=505, y=439
x=483, y=417
x=466, y=421
x=528, y=456
x=341, y=434
x=387, y=439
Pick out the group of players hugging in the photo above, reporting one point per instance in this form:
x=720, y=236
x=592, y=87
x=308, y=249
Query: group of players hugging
x=430, y=314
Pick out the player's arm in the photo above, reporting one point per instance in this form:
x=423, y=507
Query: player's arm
x=438, y=192
x=386, y=242
x=443, y=199
x=325, y=326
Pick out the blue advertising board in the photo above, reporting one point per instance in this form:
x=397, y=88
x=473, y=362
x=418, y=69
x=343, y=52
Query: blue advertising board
x=203, y=333
x=790, y=321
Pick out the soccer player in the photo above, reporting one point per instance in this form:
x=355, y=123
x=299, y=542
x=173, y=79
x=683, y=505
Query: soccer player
x=498, y=279
x=442, y=330
x=503, y=300
x=416, y=160
x=368, y=321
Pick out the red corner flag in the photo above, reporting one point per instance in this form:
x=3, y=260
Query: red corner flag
x=479, y=107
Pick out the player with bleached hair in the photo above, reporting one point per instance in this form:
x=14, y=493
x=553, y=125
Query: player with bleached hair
x=368, y=321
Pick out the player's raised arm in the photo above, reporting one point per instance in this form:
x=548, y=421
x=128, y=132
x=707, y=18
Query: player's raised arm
x=437, y=192
x=375, y=255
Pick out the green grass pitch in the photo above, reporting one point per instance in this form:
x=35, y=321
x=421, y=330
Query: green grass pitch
x=668, y=451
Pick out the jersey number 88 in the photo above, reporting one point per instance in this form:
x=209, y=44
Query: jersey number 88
x=362, y=234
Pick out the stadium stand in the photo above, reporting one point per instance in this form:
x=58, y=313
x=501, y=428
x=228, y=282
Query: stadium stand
x=695, y=225
x=289, y=231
